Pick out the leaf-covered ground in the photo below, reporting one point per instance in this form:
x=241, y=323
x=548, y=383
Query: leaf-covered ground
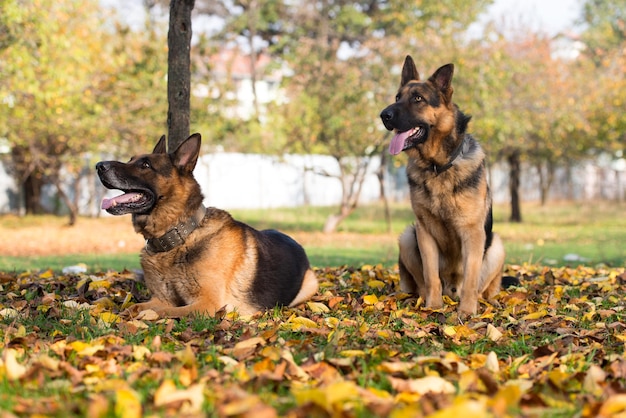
x=555, y=347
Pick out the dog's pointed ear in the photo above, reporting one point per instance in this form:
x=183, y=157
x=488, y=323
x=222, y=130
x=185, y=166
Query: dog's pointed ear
x=161, y=146
x=409, y=71
x=186, y=155
x=442, y=78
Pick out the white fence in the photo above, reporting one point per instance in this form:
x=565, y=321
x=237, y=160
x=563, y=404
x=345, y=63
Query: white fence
x=233, y=180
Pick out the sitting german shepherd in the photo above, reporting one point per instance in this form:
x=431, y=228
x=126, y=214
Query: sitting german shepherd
x=451, y=243
x=199, y=260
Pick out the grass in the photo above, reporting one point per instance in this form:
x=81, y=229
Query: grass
x=554, y=235
x=368, y=353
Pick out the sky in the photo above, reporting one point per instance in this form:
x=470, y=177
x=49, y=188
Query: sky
x=549, y=16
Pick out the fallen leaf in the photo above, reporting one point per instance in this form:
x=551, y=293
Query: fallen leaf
x=424, y=385
x=193, y=396
x=127, y=403
x=317, y=307
x=13, y=369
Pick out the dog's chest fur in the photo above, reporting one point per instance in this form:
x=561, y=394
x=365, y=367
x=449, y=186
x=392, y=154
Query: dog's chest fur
x=441, y=200
x=177, y=276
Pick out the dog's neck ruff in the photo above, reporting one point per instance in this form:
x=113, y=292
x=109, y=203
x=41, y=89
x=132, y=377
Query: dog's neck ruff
x=458, y=152
x=177, y=235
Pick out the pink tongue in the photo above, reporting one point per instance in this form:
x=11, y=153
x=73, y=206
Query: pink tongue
x=397, y=142
x=126, y=197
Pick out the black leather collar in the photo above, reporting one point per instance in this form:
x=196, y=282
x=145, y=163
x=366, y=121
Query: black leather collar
x=459, y=151
x=177, y=235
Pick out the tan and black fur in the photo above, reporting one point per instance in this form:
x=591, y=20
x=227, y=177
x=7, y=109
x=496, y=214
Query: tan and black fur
x=451, y=249
x=221, y=263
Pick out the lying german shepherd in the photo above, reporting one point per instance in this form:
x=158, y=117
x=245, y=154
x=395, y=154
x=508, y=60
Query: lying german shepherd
x=199, y=260
x=451, y=243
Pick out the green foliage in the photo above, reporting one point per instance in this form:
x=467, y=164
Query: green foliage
x=71, y=84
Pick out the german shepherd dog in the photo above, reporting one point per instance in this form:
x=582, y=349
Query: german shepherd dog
x=198, y=260
x=451, y=248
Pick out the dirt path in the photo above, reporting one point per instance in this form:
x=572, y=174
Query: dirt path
x=48, y=235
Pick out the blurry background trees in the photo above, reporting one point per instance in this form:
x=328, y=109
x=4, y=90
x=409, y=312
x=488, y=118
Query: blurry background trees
x=77, y=80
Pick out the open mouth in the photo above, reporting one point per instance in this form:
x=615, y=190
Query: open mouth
x=128, y=202
x=407, y=139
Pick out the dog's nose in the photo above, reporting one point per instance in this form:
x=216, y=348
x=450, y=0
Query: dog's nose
x=386, y=115
x=102, y=166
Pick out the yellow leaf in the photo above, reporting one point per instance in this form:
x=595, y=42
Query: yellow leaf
x=493, y=333
x=352, y=353
x=21, y=331
x=594, y=380
x=96, y=284
x=85, y=349
x=376, y=284
x=13, y=369
x=127, y=301
x=449, y=330
x=331, y=322
x=589, y=316
x=385, y=334
x=396, y=366
x=615, y=404
x=536, y=315
x=247, y=406
x=318, y=307
x=140, y=352
x=271, y=352
x=104, y=303
x=82, y=282
x=46, y=274
x=428, y=384
x=492, y=362
x=466, y=408
x=109, y=318
x=127, y=404
x=294, y=370
x=329, y=397
x=186, y=356
x=49, y=363
x=448, y=300
x=299, y=322
x=370, y=299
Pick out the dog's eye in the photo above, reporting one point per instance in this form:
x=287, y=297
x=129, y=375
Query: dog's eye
x=418, y=98
x=397, y=97
x=146, y=164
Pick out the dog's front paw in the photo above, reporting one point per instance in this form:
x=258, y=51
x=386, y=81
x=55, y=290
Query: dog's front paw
x=467, y=309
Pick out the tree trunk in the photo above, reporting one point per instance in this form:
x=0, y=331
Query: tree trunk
x=351, y=186
x=32, y=193
x=333, y=221
x=546, y=178
x=514, y=182
x=179, y=72
x=71, y=207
